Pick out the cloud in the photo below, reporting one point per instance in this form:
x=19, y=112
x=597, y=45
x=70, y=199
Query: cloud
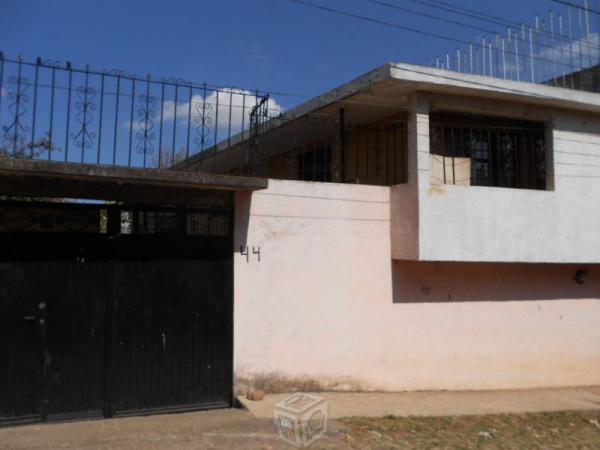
x=585, y=48
x=227, y=110
x=219, y=106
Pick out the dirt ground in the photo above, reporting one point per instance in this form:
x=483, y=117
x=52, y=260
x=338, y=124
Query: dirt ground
x=556, y=430
x=238, y=429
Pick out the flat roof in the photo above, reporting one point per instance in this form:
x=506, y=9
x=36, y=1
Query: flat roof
x=30, y=177
x=388, y=86
x=419, y=78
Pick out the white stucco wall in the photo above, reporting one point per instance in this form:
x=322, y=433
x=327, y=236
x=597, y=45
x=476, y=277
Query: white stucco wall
x=327, y=305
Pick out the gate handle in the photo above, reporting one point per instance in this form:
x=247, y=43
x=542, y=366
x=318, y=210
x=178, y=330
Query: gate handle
x=29, y=318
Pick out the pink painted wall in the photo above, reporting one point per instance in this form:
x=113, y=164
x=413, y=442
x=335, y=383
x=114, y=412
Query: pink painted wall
x=326, y=305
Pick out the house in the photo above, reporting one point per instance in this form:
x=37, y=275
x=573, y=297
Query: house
x=422, y=229
x=413, y=229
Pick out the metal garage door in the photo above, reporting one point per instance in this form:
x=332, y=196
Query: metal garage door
x=112, y=310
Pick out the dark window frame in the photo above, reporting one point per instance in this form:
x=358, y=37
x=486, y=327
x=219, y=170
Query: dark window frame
x=504, y=152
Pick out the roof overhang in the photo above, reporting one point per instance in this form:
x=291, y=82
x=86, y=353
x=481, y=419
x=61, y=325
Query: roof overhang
x=36, y=178
x=386, y=89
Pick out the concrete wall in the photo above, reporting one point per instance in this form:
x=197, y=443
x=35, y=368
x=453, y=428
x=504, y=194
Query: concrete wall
x=473, y=223
x=327, y=307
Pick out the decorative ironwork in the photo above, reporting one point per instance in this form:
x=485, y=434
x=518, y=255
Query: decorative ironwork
x=507, y=155
x=15, y=134
x=258, y=116
x=84, y=105
x=146, y=114
x=204, y=120
x=540, y=158
x=115, y=117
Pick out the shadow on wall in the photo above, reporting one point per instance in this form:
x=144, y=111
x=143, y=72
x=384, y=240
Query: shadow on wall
x=435, y=282
x=243, y=201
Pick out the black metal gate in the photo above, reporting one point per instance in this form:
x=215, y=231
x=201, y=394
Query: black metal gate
x=109, y=310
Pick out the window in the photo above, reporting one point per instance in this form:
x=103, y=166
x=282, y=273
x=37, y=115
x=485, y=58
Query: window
x=488, y=151
x=188, y=221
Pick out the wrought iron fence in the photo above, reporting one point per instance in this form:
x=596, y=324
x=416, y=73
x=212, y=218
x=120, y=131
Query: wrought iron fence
x=52, y=110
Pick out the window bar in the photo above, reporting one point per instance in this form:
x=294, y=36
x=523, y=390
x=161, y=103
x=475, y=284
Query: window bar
x=489, y=153
x=114, y=158
x=499, y=146
x=160, y=131
x=387, y=156
x=35, y=89
x=68, y=111
x=453, y=154
x=531, y=156
x=131, y=121
x=100, y=118
x=476, y=133
x=443, y=138
x=516, y=171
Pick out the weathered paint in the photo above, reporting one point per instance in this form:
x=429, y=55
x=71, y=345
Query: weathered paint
x=326, y=305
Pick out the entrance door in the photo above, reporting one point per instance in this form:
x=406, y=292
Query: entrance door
x=130, y=315
x=21, y=340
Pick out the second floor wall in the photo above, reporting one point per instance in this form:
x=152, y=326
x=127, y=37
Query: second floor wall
x=555, y=220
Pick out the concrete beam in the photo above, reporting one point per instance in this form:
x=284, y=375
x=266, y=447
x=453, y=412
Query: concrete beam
x=58, y=179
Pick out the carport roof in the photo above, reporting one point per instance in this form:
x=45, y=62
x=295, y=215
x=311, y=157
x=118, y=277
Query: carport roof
x=26, y=177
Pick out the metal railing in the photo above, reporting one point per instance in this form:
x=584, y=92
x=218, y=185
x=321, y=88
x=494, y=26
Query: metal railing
x=484, y=152
x=54, y=111
x=560, y=49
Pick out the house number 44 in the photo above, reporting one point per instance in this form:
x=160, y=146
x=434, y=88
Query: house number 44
x=245, y=251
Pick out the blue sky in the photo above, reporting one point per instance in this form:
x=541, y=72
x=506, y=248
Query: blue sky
x=274, y=45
